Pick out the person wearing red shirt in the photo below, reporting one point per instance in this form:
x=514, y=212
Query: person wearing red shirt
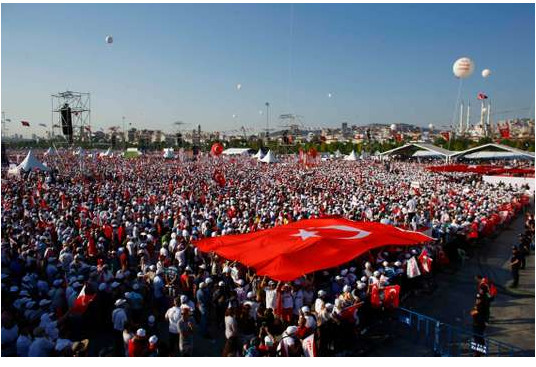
x=138, y=345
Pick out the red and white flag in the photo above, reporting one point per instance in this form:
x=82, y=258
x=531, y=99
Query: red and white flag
x=309, y=348
x=289, y=251
x=82, y=302
x=391, y=296
x=425, y=261
x=25, y=123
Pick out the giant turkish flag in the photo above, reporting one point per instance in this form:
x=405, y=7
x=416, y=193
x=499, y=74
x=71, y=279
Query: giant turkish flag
x=288, y=252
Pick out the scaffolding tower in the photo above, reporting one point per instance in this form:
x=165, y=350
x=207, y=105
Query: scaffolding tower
x=80, y=104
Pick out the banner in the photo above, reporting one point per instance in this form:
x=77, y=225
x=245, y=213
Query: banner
x=309, y=348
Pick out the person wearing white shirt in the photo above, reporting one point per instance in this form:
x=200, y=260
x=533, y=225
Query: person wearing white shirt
x=173, y=315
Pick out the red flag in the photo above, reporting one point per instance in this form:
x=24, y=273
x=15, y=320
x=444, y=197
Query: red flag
x=446, y=135
x=290, y=251
x=25, y=123
x=375, y=296
x=348, y=313
x=391, y=296
x=82, y=301
x=425, y=261
x=481, y=96
x=219, y=178
x=504, y=131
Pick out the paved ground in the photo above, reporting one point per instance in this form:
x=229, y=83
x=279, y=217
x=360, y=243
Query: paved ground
x=512, y=312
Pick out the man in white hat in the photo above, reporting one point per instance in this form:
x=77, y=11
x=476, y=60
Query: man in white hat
x=186, y=331
x=320, y=301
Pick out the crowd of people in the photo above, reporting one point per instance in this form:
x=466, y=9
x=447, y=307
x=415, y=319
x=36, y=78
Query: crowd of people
x=113, y=240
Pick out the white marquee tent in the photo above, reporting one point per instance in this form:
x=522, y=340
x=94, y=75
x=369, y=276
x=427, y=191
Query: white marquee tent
x=351, y=157
x=31, y=163
x=269, y=158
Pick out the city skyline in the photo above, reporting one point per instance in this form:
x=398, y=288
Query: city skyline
x=358, y=63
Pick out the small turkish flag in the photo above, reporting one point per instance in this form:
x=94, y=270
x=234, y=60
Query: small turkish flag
x=219, y=178
x=425, y=261
x=81, y=303
x=391, y=297
x=25, y=123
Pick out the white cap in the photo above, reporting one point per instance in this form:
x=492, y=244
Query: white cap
x=184, y=298
x=202, y=285
x=376, y=273
x=346, y=288
x=305, y=309
x=385, y=263
x=221, y=283
x=363, y=279
x=151, y=319
x=291, y=330
x=398, y=263
x=135, y=286
x=361, y=285
x=240, y=282
x=321, y=293
x=140, y=332
x=208, y=280
x=102, y=287
x=120, y=302
x=268, y=341
x=153, y=339
x=344, y=272
x=250, y=294
x=329, y=306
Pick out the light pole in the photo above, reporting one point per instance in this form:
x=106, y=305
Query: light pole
x=124, y=134
x=267, y=104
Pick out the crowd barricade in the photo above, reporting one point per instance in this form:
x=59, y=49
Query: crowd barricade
x=449, y=341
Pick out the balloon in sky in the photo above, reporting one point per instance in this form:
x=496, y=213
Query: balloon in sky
x=234, y=116
x=261, y=112
x=109, y=39
x=393, y=127
x=463, y=68
x=329, y=95
x=486, y=73
x=431, y=126
x=238, y=86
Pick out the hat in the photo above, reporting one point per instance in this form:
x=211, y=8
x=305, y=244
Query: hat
x=185, y=308
x=221, y=283
x=329, y=306
x=271, y=282
x=153, y=339
x=385, y=263
x=398, y=263
x=120, y=302
x=376, y=273
x=240, y=282
x=361, y=285
x=151, y=319
x=140, y=275
x=140, y=333
x=202, y=285
x=208, y=281
x=44, y=302
x=344, y=272
x=305, y=309
x=291, y=330
x=321, y=293
x=268, y=341
x=184, y=298
x=346, y=288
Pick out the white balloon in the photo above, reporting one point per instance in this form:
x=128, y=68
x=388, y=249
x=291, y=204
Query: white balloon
x=486, y=73
x=109, y=39
x=463, y=68
x=234, y=116
x=431, y=126
x=393, y=127
x=329, y=95
x=238, y=86
x=261, y=112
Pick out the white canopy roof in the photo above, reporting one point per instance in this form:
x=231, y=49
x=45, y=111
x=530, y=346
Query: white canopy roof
x=49, y=151
x=269, y=158
x=31, y=163
x=426, y=153
x=259, y=154
x=168, y=153
x=236, y=151
x=351, y=157
x=493, y=155
x=108, y=153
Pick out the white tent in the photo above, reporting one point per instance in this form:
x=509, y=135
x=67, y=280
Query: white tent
x=425, y=154
x=108, y=153
x=351, y=157
x=493, y=155
x=236, y=151
x=31, y=163
x=49, y=151
x=259, y=154
x=269, y=158
x=338, y=154
x=168, y=153
x=79, y=151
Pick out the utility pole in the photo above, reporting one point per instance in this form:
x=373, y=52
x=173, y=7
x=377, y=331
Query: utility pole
x=124, y=135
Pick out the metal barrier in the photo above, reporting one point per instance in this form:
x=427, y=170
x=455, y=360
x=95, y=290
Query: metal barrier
x=450, y=341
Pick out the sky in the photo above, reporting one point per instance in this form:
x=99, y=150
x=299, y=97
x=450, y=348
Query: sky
x=381, y=63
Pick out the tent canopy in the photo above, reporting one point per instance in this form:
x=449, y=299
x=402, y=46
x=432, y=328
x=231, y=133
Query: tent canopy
x=168, y=153
x=425, y=154
x=410, y=148
x=259, y=154
x=351, y=157
x=236, y=151
x=269, y=158
x=290, y=251
x=493, y=147
x=30, y=163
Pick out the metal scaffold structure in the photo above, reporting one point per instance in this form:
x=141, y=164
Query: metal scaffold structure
x=80, y=105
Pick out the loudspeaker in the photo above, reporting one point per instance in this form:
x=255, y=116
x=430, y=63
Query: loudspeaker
x=195, y=150
x=66, y=120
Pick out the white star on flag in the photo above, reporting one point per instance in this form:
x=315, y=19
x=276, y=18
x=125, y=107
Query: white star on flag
x=305, y=234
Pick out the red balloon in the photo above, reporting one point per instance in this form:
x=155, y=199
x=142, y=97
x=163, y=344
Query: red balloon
x=217, y=149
